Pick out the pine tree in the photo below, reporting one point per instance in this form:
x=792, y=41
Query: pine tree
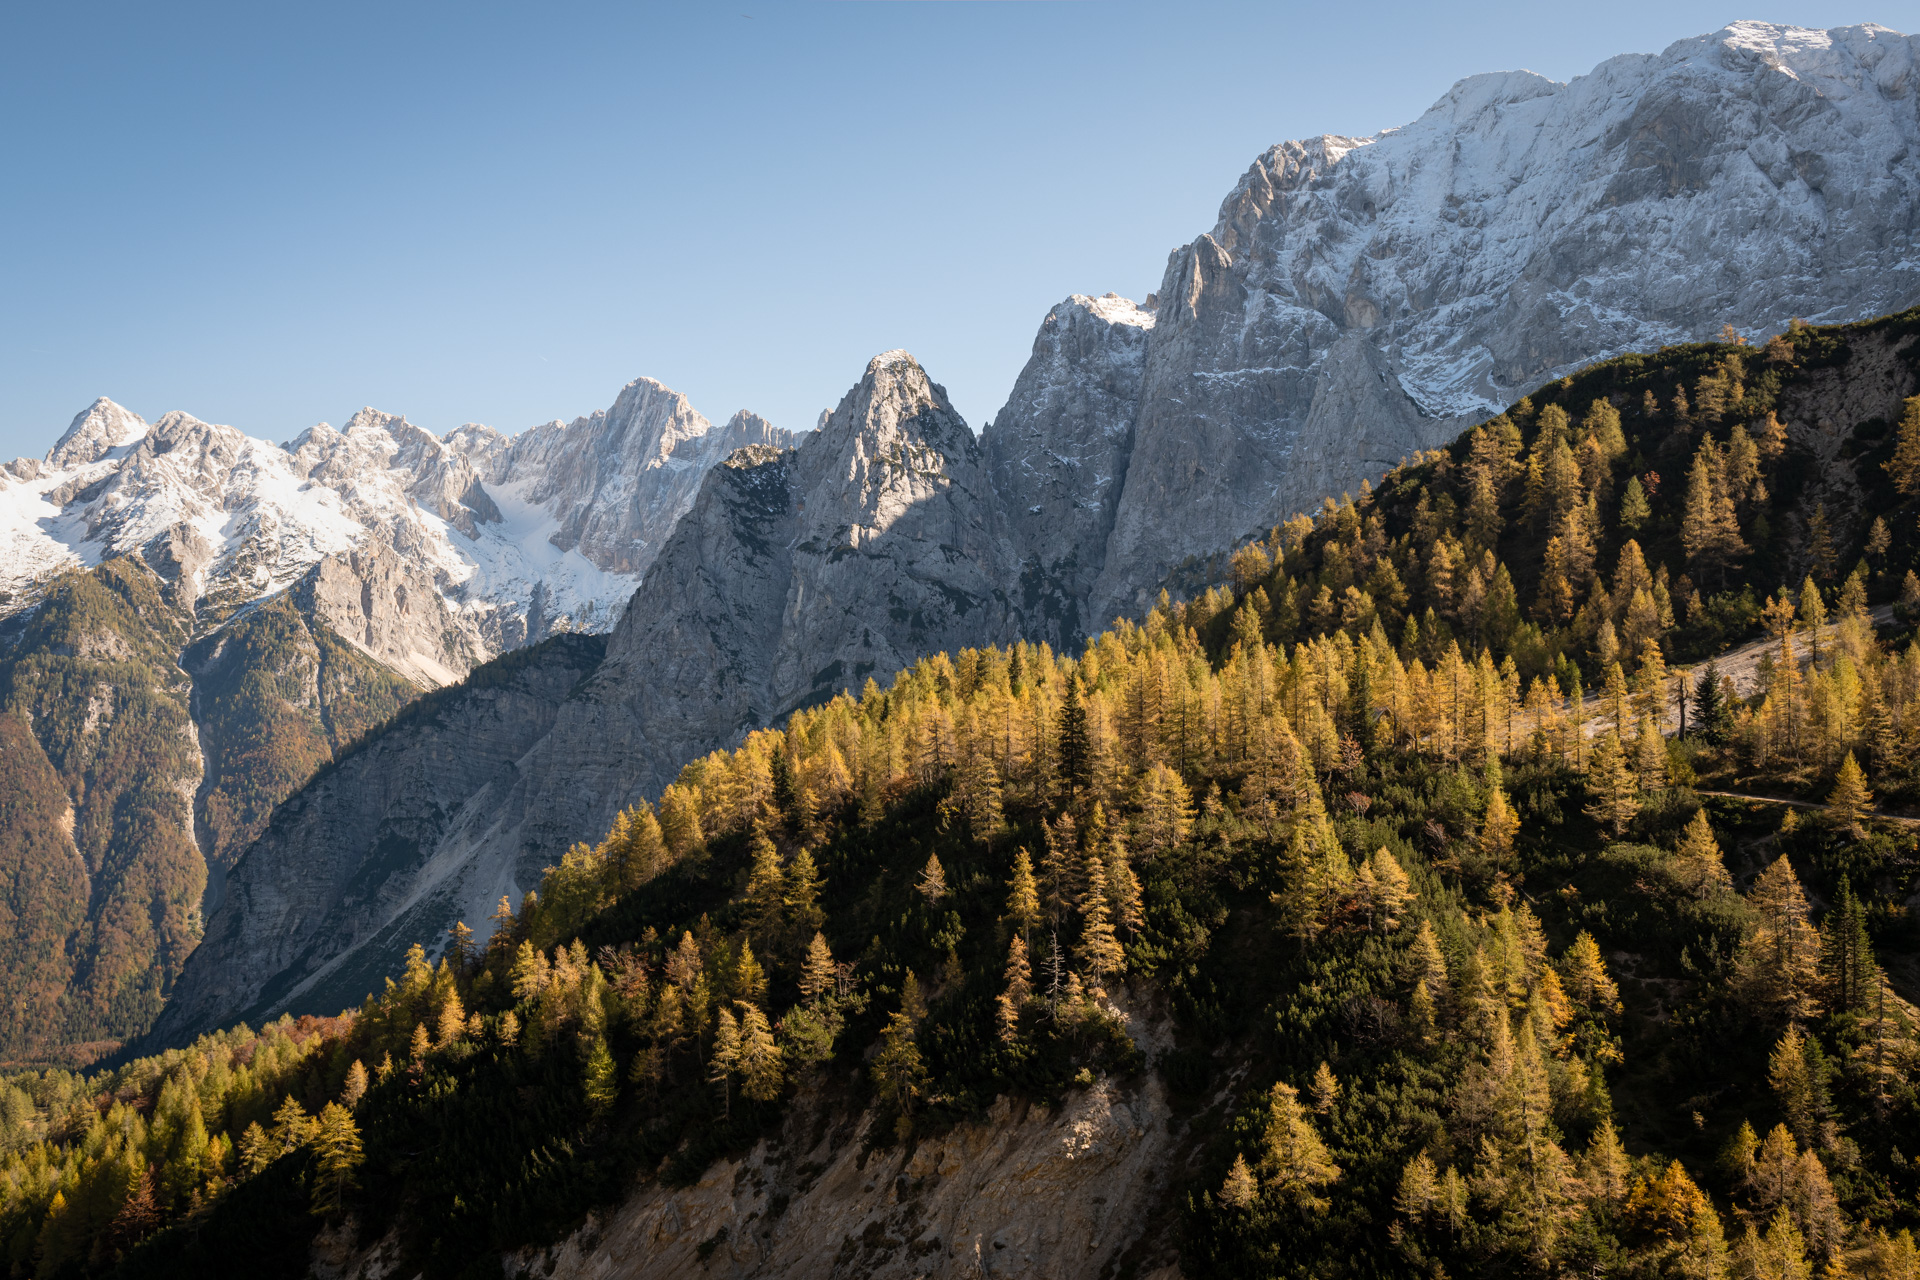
x=1419, y=1190
x=1019, y=977
x=1073, y=749
x=1846, y=954
x=1904, y=466
x=1166, y=811
x=600, y=1082
x=1239, y=1191
x=139, y=1215
x=801, y=896
x=1498, y=828
x=749, y=978
x=724, y=1061
x=1779, y=963
x=932, y=883
x=337, y=1158
x=899, y=1074
x=1325, y=1089
x=355, y=1087
x=1123, y=890
x=1698, y=865
x=460, y=946
x=1293, y=1160
x=1023, y=897
x=293, y=1128
x=759, y=1059
x=1650, y=757
x=1634, y=511
x=1099, y=950
x=766, y=885
x=1615, y=791
x=817, y=971
x=1850, y=801
x=1587, y=981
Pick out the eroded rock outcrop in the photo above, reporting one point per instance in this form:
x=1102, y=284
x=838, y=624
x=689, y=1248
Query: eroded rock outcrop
x=1027, y=1191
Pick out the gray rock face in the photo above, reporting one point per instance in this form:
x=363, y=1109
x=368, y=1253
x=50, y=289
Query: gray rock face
x=1361, y=298
x=1059, y=451
x=389, y=609
x=351, y=866
x=620, y=478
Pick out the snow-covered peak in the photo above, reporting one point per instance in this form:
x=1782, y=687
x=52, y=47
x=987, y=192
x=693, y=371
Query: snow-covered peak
x=95, y=432
x=521, y=535
x=1114, y=309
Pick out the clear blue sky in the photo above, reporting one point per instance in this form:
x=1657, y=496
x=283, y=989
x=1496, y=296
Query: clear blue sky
x=269, y=215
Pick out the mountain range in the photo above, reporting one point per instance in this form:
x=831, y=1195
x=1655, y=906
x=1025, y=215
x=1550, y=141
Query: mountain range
x=1357, y=300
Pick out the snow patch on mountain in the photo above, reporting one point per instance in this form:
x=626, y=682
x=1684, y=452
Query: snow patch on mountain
x=522, y=536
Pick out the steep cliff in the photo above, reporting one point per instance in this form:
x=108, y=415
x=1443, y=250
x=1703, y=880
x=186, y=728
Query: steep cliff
x=354, y=865
x=1362, y=298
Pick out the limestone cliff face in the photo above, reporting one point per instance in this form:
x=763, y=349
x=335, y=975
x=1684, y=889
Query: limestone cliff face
x=619, y=479
x=1061, y=1194
x=1360, y=298
x=1059, y=452
x=797, y=573
x=389, y=609
x=353, y=865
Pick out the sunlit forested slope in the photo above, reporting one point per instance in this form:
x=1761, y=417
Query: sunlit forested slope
x=1458, y=969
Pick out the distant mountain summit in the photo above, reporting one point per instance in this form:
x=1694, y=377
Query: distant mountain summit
x=1362, y=298
x=516, y=536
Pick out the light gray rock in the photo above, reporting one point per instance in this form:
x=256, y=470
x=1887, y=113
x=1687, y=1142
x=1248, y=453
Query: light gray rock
x=387, y=607
x=351, y=867
x=1360, y=298
x=619, y=479
x=1059, y=452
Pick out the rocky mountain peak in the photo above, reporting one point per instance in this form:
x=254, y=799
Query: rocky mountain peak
x=95, y=432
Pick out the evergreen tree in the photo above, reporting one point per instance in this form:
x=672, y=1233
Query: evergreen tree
x=759, y=1060
x=1073, y=749
x=355, y=1087
x=1239, y=1191
x=932, y=883
x=1850, y=802
x=1294, y=1163
x=1587, y=982
x=338, y=1156
x=817, y=971
x=1847, y=964
x=899, y=1074
x=1166, y=811
x=766, y=886
x=1099, y=949
x=1019, y=978
x=723, y=1063
x=1615, y=791
x=801, y=896
x=600, y=1082
x=1634, y=511
x=1498, y=828
x=1779, y=963
x=1698, y=865
x=1023, y=897
x=1904, y=465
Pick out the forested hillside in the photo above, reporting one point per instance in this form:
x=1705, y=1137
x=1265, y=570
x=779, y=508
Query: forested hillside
x=1378, y=861
x=113, y=815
